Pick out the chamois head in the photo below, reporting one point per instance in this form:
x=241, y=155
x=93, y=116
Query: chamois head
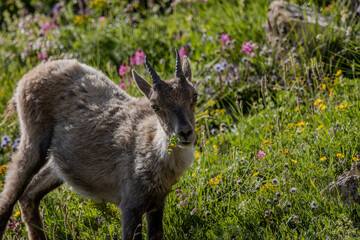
x=173, y=101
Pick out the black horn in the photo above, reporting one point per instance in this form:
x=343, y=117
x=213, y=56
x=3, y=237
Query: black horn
x=154, y=76
x=178, y=70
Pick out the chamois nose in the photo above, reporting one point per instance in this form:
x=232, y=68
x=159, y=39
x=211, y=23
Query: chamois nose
x=185, y=131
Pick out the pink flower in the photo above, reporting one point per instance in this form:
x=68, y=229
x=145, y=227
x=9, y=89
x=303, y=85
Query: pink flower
x=54, y=25
x=138, y=58
x=261, y=154
x=101, y=19
x=182, y=53
x=123, y=70
x=182, y=204
x=122, y=85
x=248, y=49
x=42, y=56
x=225, y=38
x=193, y=211
x=46, y=26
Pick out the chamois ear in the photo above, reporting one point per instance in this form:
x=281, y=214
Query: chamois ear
x=142, y=84
x=187, y=69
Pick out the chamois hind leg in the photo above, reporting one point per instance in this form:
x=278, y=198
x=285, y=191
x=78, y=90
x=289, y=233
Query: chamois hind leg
x=42, y=183
x=26, y=162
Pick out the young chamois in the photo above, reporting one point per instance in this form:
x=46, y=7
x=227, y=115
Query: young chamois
x=79, y=128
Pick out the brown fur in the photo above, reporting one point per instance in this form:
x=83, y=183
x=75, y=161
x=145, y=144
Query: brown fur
x=78, y=127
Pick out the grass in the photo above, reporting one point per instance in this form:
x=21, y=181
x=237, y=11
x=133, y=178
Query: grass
x=304, y=121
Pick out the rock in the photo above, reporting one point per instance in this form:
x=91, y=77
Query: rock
x=346, y=186
x=284, y=18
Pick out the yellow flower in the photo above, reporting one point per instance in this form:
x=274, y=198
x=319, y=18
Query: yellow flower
x=343, y=105
x=197, y=155
x=3, y=169
x=355, y=159
x=322, y=106
x=269, y=187
x=255, y=174
x=17, y=214
x=80, y=19
x=338, y=73
x=296, y=109
x=194, y=175
x=301, y=124
x=339, y=155
x=320, y=127
x=211, y=103
x=215, y=146
x=317, y=101
x=293, y=161
x=323, y=159
x=323, y=86
x=266, y=142
x=284, y=151
x=210, y=182
x=219, y=176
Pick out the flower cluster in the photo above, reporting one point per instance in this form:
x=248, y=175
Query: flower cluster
x=216, y=181
x=247, y=48
x=138, y=58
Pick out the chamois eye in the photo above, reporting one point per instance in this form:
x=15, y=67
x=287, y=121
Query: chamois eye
x=154, y=107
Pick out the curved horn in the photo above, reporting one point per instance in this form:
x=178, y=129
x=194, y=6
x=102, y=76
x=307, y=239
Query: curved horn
x=154, y=76
x=178, y=70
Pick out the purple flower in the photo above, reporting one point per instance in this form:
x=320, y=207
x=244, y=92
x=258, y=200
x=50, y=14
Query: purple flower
x=225, y=38
x=182, y=204
x=183, y=53
x=248, y=49
x=261, y=154
x=123, y=70
x=193, y=211
x=209, y=90
x=46, y=26
x=122, y=85
x=42, y=56
x=13, y=224
x=219, y=67
x=101, y=19
x=138, y=58
x=16, y=143
x=6, y=139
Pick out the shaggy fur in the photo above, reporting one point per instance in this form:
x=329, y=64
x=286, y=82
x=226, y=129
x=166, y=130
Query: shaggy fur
x=78, y=127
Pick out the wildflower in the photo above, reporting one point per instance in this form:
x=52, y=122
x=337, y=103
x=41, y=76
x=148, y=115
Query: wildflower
x=261, y=154
x=207, y=213
x=197, y=155
x=293, y=161
x=255, y=174
x=193, y=211
x=17, y=214
x=211, y=182
x=278, y=194
x=225, y=39
x=138, y=58
x=123, y=69
x=183, y=52
x=80, y=19
x=16, y=143
x=343, y=105
x=5, y=140
x=275, y=181
x=215, y=146
x=178, y=190
x=266, y=142
x=338, y=73
x=297, y=109
x=218, y=67
x=13, y=224
x=239, y=182
x=247, y=48
x=182, y=204
x=320, y=127
x=45, y=27
x=322, y=106
x=317, y=102
x=313, y=205
x=122, y=85
x=42, y=56
x=323, y=86
x=301, y=124
x=323, y=159
x=101, y=19
x=340, y=156
x=355, y=159
x=194, y=175
x=293, y=190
